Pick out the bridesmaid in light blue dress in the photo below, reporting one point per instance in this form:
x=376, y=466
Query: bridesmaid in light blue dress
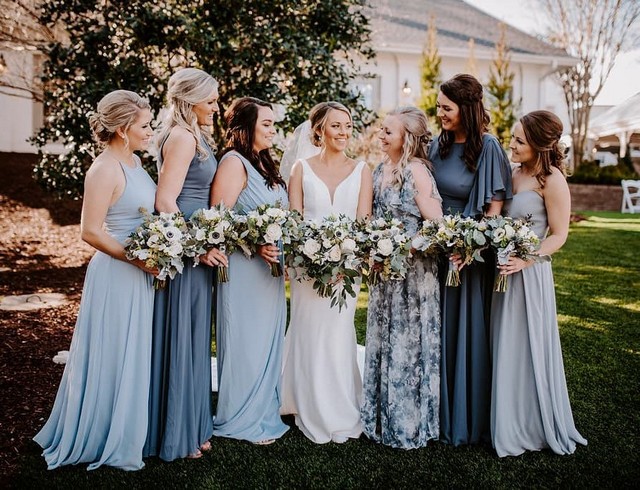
x=251, y=312
x=474, y=178
x=100, y=412
x=530, y=408
x=180, y=401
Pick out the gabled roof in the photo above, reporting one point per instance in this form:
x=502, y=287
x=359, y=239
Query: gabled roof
x=401, y=25
x=622, y=117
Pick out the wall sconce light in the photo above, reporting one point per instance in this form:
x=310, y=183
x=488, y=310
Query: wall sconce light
x=406, y=90
x=3, y=65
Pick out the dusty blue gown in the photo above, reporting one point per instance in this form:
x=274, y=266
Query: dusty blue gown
x=530, y=408
x=250, y=326
x=402, y=357
x=466, y=368
x=180, y=410
x=100, y=412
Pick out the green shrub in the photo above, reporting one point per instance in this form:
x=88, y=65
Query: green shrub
x=591, y=173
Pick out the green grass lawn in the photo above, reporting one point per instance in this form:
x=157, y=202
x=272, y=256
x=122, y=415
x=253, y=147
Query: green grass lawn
x=597, y=275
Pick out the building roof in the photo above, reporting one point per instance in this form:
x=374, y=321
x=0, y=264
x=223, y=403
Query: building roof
x=401, y=25
x=623, y=117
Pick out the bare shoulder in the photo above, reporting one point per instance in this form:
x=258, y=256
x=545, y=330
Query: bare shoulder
x=556, y=181
x=103, y=167
x=181, y=137
x=419, y=169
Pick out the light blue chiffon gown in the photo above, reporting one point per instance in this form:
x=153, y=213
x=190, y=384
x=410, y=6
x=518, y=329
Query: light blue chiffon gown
x=180, y=409
x=100, y=412
x=250, y=326
x=530, y=408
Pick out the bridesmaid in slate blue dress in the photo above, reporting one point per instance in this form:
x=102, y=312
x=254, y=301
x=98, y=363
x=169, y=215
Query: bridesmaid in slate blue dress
x=474, y=178
x=530, y=408
x=402, y=359
x=180, y=401
x=251, y=311
x=100, y=412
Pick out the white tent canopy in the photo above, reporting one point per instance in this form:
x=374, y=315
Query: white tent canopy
x=621, y=120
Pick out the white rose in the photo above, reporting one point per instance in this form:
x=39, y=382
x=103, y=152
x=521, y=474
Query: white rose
x=175, y=249
x=385, y=247
x=335, y=254
x=509, y=231
x=274, y=212
x=348, y=245
x=153, y=239
x=399, y=238
x=273, y=233
x=311, y=248
x=209, y=214
x=200, y=234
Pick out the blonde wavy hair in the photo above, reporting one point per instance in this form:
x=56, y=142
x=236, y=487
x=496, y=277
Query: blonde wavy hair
x=318, y=117
x=187, y=88
x=116, y=110
x=416, y=140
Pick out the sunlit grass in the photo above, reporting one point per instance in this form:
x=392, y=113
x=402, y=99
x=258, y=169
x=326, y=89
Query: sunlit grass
x=597, y=274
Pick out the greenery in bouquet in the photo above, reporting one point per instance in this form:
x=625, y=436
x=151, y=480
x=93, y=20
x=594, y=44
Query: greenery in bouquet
x=217, y=227
x=426, y=240
x=326, y=253
x=510, y=237
x=458, y=235
x=386, y=247
x=159, y=242
x=268, y=225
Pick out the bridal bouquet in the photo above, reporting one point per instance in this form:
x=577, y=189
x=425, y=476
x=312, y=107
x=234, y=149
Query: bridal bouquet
x=510, y=237
x=387, y=248
x=159, y=242
x=462, y=236
x=328, y=256
x=269, y=225
x=217, y=227
x=427, y=238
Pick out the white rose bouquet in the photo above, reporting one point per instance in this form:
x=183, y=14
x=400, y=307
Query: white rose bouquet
x=327, y=255
x=387, y=248
x=266, y=225
x=216, y=227
x=510, y=237
x=159, y=242
x=462, y=236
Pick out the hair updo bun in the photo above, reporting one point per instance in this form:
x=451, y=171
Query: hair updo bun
x=116, y=110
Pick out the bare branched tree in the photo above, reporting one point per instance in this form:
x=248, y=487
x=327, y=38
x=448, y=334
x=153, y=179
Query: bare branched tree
x=594, y=32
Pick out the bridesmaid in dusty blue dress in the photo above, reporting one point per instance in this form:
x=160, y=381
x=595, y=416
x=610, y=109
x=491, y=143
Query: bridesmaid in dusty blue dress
x=402, y=358
x=180, y=400
x=530, y=408
x=474, y=178
x=100, y=412
x=251, y=312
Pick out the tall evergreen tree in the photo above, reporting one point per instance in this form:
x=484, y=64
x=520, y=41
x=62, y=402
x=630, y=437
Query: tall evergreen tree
x=293, y=53
x=500, y=88
x=430, y=79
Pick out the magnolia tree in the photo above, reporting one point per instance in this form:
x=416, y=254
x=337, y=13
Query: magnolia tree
x=292, y=53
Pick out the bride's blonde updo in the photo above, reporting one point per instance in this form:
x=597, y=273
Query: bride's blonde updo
x=116, y=110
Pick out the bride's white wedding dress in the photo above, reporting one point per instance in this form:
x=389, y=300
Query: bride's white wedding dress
x=321, y=381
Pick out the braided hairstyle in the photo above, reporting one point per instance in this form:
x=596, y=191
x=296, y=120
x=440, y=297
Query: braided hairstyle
x=466, y=92
x=240, y=119
x=543, y=130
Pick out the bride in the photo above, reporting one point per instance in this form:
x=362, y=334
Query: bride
x=321, y=382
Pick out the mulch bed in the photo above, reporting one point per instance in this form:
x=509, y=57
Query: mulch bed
x=40, y=251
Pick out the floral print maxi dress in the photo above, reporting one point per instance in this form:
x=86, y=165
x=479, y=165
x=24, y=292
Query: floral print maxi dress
x=402, y=360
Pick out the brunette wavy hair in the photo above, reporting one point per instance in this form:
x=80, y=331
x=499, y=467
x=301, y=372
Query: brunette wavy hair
x=466, y=91
x=543, y=130
x=240, y=119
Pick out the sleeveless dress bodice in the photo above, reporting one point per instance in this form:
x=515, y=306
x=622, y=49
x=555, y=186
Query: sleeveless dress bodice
x=317, y=201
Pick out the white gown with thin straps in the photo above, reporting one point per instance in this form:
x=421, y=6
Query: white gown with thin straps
x=321, y=382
